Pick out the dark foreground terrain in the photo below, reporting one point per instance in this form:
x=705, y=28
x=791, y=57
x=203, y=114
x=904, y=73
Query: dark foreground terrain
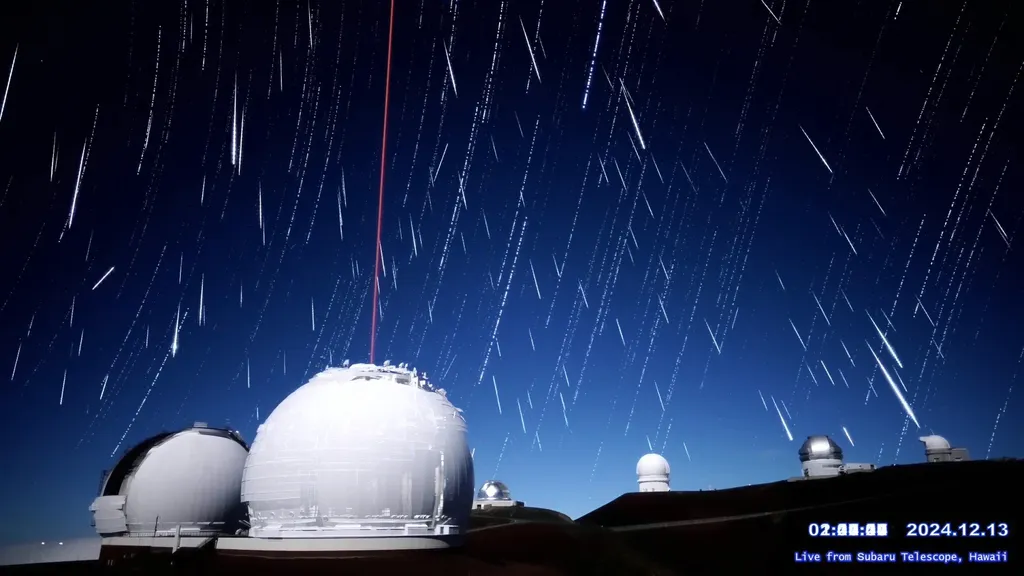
x=750, y=530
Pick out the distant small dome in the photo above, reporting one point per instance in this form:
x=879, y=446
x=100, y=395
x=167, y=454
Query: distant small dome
x=653, y=466
x=935, y=442
x=820, y=448
x=494, y=490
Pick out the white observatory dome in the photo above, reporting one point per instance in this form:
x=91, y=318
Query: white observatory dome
x=361, y=451
x=187, y=481
x=938, y=449
x=935, y=443
x=652, y=473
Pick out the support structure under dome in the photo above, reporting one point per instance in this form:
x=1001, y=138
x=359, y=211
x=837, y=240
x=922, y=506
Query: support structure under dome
x=362, y=451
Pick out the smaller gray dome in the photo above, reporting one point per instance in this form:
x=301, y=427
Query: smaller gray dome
x=820, y=448
x=494, y=490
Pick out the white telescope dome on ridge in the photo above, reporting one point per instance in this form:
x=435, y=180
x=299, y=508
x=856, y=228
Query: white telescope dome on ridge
x=938, y=449
x=652, y=473
x=653, y=465
x=361, y=451
x=935, y=442
x=185, y=481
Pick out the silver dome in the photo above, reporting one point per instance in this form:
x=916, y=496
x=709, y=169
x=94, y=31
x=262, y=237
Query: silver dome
x=820, y=448
x=494, y=490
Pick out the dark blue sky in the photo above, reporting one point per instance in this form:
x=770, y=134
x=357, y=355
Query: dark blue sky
x=746, y=190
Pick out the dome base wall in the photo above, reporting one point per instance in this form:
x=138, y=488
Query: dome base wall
x=355, y=530
x=324, y=544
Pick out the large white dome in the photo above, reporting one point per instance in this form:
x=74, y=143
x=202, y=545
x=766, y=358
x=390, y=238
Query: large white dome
x=360, y=451
x=187, y=481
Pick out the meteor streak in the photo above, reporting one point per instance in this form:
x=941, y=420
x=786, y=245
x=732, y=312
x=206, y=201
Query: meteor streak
x=818, y=152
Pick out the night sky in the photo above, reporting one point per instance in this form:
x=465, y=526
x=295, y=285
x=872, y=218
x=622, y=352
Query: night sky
x=707, y=228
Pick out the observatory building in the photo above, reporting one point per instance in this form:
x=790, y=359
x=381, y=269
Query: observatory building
x=938, y=449
x=182, y=483
x=494, y=494
x=361, y=457
x=821, y=457
x=652, y=473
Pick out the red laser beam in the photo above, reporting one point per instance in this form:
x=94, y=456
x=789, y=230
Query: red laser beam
x=380, y=197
